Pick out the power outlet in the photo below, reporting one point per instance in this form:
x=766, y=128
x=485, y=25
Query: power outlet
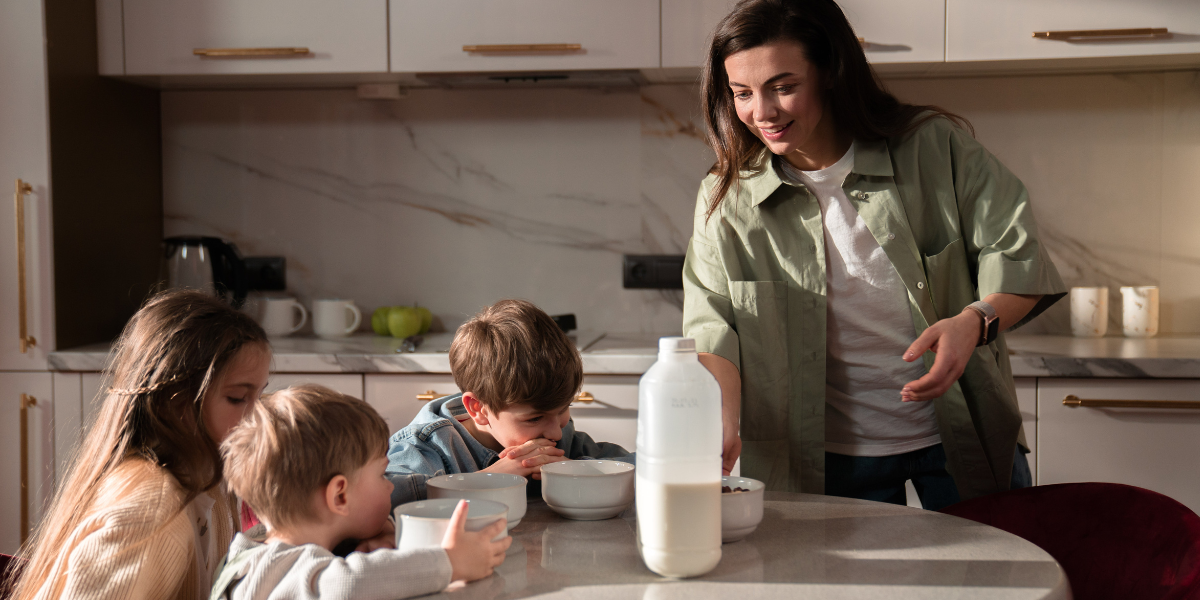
x=653, y=271
x=266, y=273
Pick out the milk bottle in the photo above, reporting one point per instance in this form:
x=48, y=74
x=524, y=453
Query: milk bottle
x=678, y=482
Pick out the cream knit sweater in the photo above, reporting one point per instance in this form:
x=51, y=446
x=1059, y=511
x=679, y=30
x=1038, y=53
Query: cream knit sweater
x=138, y=541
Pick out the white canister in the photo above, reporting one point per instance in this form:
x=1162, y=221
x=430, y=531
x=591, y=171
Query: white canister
x=279, y=316
x=334, y=317
x=1139, y=309
x=1089, y=311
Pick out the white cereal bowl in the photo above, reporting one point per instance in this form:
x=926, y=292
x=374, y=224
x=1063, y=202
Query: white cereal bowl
x=504, y=488
x=741, y=512
x=423, y=524
x=587, y=490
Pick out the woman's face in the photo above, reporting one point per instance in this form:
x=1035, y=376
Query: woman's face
x=236, y=390
x=779, y=95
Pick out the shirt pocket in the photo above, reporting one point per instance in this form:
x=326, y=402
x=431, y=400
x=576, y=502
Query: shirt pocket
x=760, y=316
x=951, y=284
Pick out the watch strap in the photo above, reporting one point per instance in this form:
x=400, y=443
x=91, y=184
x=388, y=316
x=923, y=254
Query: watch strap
x=991, y=322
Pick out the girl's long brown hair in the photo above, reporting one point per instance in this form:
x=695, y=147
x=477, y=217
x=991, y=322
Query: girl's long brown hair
x=171, y=352
x=859, y=103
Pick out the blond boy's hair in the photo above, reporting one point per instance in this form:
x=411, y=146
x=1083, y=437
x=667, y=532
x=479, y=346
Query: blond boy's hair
x=512, y=352
x=293, y=443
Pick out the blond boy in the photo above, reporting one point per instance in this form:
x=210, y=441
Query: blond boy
x=518, y=373
x=311, y=462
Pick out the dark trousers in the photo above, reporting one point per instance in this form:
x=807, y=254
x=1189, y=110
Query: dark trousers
x=881, y=478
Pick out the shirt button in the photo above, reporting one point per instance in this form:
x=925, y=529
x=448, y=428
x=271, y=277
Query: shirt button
x=891, y=236
x=920, y=285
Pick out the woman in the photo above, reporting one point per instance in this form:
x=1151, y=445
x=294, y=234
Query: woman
x=143, y=512
x=841, y=236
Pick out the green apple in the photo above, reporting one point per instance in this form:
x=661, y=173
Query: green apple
x=403, y=321
x=379, y=320
x=426, y=319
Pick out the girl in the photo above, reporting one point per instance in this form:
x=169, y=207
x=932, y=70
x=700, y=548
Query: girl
x=840, y=237
x=143, y=512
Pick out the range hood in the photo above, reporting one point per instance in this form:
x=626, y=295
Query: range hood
x=528, y=79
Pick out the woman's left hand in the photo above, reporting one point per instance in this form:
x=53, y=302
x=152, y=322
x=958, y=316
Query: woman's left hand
x=384, y=539
x=953, y=340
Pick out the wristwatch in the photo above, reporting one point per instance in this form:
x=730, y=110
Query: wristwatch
x=991, y=323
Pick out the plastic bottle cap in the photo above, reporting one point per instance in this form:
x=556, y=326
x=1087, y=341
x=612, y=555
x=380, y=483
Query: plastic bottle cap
x=679, y=345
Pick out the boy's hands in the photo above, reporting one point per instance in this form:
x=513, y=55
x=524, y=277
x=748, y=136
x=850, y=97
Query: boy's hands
x=527, y=459
x=473, y=554
x=384, y=539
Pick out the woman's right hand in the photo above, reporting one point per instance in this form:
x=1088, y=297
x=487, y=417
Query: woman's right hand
x=473, y=554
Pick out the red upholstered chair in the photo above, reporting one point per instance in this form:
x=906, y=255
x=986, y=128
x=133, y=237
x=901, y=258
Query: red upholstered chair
x=249, y=519
x=10, y=568
x=1113, y=541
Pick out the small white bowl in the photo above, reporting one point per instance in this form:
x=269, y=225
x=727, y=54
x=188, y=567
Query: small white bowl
x=504, y=488
x=587, y=490
x=741, y=512
x=423, y=524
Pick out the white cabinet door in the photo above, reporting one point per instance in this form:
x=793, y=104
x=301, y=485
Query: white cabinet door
x=341, y=37
x=606, y=409
x=38, y=467
x=892, y=32
x=991, y=30
x=350, y=384
x=1152, y=448
x=614, y=34
x=24, y=155
x=400, y=397
x=1027, y=402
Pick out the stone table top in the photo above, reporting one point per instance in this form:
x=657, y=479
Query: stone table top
x=633, y=353
x=808, y=546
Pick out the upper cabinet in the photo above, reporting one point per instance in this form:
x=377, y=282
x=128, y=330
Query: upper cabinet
x=167, y=42
x=202, y=37
x=892, y=32
x=987, y=30
x=523, y=35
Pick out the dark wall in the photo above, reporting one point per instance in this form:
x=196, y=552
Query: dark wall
x=106, y=183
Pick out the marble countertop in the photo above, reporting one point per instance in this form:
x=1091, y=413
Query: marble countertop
x=633, y=353
x=807, y=546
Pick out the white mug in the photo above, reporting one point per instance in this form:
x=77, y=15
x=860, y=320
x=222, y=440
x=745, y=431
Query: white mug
x=1139, y=309
x=424, y=524
x=1089, y=311
x=279, y=316
x=330, y=317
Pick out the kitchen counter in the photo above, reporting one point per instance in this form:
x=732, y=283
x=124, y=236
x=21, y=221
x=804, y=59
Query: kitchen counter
x=632, y=354
x=807, y=546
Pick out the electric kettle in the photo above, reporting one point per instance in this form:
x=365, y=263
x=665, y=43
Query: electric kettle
x=205, y=263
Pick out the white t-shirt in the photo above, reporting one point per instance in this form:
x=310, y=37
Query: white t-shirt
x=868, y=328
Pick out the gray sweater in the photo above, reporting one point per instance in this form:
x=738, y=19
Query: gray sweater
x=275, y=570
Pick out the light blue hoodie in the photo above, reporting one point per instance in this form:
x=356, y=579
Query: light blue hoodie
x=436, y=443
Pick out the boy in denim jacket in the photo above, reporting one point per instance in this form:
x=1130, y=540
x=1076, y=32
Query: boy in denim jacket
x=519, y=373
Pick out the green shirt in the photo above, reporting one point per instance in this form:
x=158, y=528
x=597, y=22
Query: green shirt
x=955, y=223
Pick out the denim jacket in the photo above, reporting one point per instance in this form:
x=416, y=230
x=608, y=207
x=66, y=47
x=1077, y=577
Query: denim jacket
x=436, y=443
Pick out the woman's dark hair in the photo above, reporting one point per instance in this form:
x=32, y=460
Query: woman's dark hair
x=858, y=102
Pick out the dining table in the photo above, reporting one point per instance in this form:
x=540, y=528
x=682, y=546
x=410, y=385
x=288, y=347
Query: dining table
x=807, y=546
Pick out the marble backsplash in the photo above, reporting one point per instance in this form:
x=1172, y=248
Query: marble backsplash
x=454, y=198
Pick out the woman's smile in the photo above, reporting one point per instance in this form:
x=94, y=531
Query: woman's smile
x=773, y=133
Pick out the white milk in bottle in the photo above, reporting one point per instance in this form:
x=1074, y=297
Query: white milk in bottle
x=678, y=478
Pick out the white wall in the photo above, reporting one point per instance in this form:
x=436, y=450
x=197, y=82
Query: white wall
x=455, y=199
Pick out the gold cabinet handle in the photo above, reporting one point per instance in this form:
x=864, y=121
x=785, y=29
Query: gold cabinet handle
x=252, y=52
x=26, y=402
x=1094, y=34
x=522, y=48
x=27, y=341
x=585, y=398
x=428, y=395
x=1073, y=400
